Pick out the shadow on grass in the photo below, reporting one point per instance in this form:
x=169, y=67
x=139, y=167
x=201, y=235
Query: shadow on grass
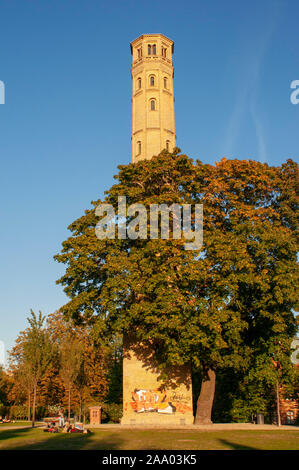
x=234, y=446
x=48, y=441
x=13, y=433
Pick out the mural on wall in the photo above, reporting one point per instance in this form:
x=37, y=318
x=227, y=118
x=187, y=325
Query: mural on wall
x=157, y=401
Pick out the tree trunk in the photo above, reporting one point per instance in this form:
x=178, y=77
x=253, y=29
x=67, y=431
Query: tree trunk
x=33, y=405
x=29, y=406
x=69, y=405
x=80, y=409
x=278, y=404
x=205, y=399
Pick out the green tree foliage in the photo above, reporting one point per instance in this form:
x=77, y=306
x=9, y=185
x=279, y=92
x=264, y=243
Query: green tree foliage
x=37, y=353
x=31, y=357
x=115, y=372
x=111, y=412
x=71, y=358
x=226, y=306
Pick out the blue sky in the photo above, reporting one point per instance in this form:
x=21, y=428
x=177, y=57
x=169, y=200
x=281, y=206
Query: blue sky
x=66, y=122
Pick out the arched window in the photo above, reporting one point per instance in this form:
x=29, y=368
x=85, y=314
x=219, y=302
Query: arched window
x=165, y=82
x=152, y=80
x=139, y=83
x=138, y=147
x=167, y=145
x=153, y=105
x=149, y=49
x=154, y=49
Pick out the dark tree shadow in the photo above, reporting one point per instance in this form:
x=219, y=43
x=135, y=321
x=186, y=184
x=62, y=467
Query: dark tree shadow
x=176, y=375
x=61, y=441
x=12, y=433
x=236, y=446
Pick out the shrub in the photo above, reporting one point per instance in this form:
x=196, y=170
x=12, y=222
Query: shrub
x=18, y=412
x=3, y=410
x=21, y=412
x=112, y=412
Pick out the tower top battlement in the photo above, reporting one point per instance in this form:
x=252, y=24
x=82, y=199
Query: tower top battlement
x=152, y=47
x=152, y=36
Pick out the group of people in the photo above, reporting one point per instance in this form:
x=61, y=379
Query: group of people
x=51, y=427
x=55, y=426
x=4, y=420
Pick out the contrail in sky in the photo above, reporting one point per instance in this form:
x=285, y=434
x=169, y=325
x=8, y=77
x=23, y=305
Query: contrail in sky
x=247, y=96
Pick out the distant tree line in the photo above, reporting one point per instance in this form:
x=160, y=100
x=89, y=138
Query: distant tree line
x=57, y=365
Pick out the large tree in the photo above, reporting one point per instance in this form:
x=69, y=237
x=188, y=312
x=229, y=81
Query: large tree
x=208, y=307
x=251, y=243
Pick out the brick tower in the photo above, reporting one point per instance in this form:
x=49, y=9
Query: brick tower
x=147, y=399
x=153, y=127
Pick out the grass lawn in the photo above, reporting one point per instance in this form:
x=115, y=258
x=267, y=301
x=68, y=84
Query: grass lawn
x=36, y=439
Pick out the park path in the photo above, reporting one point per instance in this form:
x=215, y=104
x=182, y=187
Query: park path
x=207, y=427
x=6, y=428
x=25, y=426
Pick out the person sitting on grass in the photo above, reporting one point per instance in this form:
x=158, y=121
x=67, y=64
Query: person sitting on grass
x=67, y=427
x=51, y=427
x=79, y=429
x=47, y=429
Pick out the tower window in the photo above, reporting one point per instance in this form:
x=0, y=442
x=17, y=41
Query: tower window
x=138, y=147
x=139, y=51
x=165, y=82
x=164, y=51
x=139, y=83
x=153, y=105
x=152, y=81
x=167, y=145
x=152, y=49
